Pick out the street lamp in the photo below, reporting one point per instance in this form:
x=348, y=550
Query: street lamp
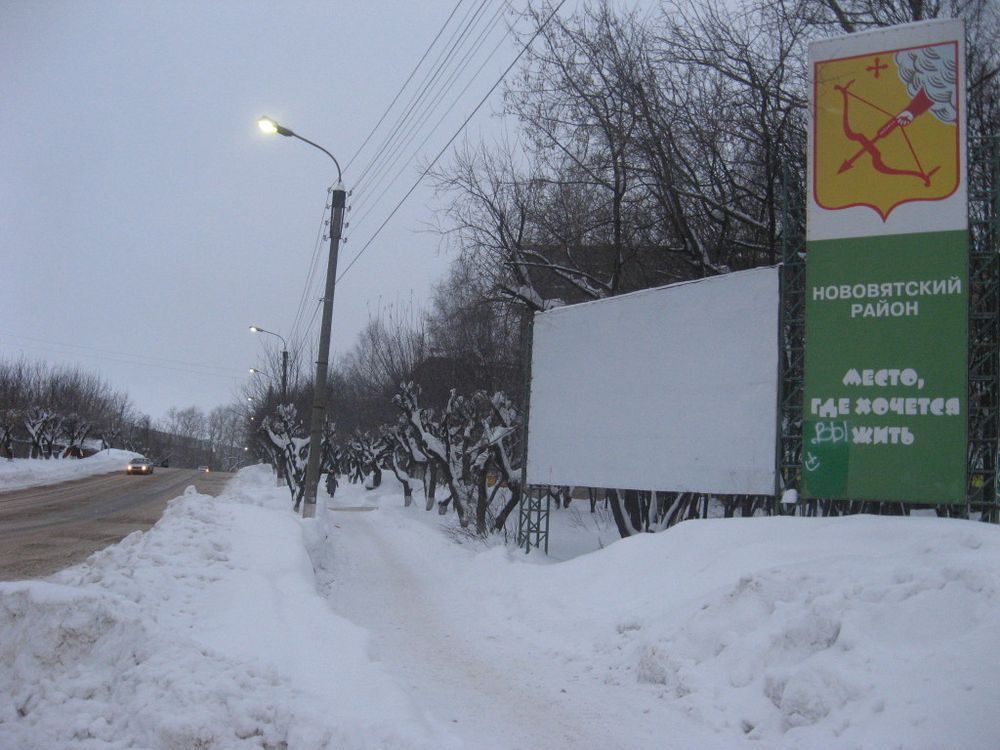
x=339, y=201
x=270, y=127
x=284, y=361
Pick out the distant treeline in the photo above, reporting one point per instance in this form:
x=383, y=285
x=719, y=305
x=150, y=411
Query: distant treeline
x=60, y=411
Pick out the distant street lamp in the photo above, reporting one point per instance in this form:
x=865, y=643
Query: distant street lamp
x=284, y=361
x=339, y=196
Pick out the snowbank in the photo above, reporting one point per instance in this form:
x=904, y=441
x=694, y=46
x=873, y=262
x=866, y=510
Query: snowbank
x=32, y=472
x=231, y=624
x=206, y=631
x=858, y=632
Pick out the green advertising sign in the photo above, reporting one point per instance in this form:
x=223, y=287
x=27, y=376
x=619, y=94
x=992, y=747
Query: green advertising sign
x=886, y=371
x=885, y=390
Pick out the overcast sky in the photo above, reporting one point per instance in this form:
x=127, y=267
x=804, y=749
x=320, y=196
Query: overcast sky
x=146, y=221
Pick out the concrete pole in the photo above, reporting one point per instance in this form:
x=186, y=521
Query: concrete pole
x=322, y=363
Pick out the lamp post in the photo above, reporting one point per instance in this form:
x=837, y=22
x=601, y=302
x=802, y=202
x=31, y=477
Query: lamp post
x=339, y=202
x=284, y=361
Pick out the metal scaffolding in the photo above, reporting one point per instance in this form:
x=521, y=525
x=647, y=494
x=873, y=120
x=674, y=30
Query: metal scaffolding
x=984, y=334
x=792, y=326
x=533, y=519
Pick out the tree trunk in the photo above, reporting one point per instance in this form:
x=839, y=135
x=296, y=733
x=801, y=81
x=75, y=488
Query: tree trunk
x=482, y=503
x=618, y=514
x=508, y=508
x=431, y=486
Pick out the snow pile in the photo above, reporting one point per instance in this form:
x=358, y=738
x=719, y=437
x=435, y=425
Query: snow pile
x=234, y=624
x=873, y=631
x=206, y=631
x=85, y=667
x=31, y=472
x=858, y=632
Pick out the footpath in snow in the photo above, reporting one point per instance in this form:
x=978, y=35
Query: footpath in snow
x=33, y=472
x=234, y=624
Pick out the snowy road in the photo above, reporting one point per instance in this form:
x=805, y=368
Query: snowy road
x=46, y=528
x=451, y=652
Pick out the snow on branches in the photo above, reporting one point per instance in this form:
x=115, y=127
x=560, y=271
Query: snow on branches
x=468, y=447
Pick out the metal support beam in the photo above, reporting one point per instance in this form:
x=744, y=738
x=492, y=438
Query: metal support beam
x=533, y=519
x=792, y=307
x=984, y=328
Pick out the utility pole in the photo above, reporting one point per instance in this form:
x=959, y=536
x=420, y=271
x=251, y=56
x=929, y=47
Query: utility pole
x=339, y=196
x=338, y=204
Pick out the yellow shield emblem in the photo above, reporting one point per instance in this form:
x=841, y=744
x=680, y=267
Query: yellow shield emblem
x=886, y=128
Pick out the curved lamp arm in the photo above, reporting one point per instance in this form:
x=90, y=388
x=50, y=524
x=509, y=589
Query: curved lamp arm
x=268, y=125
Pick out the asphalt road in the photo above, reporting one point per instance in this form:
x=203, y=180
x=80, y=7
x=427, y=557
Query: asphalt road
x=45, y=529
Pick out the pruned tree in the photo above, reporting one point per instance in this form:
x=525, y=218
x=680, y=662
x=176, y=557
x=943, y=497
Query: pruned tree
x=288, y=443
x=75, y=430
x=8, y=423
x=444, y=443
x=332, y=458
x=38, y=424
x=502, y=435
x=404, y=457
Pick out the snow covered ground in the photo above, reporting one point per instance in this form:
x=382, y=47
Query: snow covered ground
x=32, y=472
x=234, y=624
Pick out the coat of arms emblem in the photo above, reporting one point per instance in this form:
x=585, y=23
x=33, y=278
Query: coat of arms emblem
x=886, y=128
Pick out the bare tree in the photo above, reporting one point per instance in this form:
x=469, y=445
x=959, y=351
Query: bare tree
x=75, y=430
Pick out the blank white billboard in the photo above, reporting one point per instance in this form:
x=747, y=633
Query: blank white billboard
x=674, y=388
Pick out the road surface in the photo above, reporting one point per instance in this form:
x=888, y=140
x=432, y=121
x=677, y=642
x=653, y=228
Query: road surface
x=45, y=529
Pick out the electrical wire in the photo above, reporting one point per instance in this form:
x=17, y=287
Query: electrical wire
x=405, y=84
x=428, y=111
x=312, y=321
x=109, y=355
x=311, y=287
x=430, y=133
x=311, y=275
x=451, y=140
x=439, y=65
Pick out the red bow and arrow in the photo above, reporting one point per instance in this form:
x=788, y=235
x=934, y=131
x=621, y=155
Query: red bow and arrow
x=868, y=145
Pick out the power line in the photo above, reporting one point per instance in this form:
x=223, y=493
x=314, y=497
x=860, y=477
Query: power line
x=312, y=321
x=433, y=130
x=405, y=84
x=451, y=140
x=107, y=355
x=428, y=110
x=313, y=265
x=443, y=58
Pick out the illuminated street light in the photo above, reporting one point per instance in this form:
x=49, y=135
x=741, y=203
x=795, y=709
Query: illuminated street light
x=270, y=127
x=338, y=204
x=284, y=359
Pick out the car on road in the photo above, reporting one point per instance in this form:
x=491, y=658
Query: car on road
x=204, y=469
x=139, y=465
